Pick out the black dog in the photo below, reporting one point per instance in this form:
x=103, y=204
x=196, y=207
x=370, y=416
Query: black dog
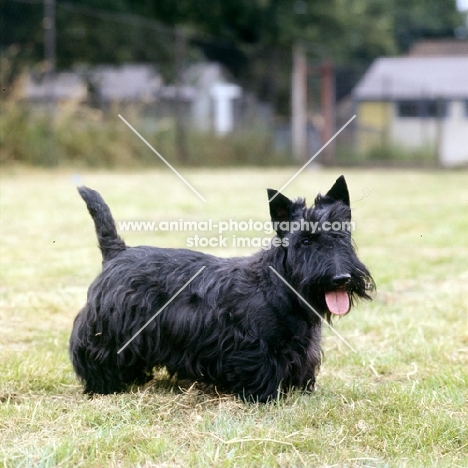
x=237, y=324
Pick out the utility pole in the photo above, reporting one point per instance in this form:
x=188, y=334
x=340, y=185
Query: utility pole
x=299, y=104
x=48, y=23
x=180, y=118
x=49, y=36
x=328, y=110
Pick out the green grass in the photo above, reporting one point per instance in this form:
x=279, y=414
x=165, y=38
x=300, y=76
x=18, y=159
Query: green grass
x=400, y=401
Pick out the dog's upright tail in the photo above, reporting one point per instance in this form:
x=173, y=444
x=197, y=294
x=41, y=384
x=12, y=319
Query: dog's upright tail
x=110, y=242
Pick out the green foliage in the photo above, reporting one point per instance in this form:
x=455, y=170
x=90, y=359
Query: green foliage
x=413, y=20
x=114, y=32
x=402, y=154
x=388, y=154
x=252, y=39
x=79, y=136
x=85, y=137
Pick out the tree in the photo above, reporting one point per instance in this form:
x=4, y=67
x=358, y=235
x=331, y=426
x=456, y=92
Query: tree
x=253, y=38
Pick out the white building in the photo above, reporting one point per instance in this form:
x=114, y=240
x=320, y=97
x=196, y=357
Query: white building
x=416, y=102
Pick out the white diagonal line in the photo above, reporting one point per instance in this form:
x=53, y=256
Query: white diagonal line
x=161, y=309
x=313, y=157
x=311, y=308
x=162, y=159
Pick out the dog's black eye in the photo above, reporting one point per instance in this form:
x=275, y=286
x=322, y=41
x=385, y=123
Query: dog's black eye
x=306, y=241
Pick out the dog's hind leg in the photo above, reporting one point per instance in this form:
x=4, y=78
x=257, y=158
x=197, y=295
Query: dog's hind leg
x=98, y=376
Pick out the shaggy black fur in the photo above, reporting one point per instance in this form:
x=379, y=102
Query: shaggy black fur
x=237, y=325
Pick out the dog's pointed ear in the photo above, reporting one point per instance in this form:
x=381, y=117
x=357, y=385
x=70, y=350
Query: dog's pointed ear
x=280, y=209
x=339, y=191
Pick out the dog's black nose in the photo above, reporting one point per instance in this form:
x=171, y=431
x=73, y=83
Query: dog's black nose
x=341, y=280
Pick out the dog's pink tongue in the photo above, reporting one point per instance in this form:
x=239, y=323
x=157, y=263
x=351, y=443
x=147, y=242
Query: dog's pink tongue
x=337, y=302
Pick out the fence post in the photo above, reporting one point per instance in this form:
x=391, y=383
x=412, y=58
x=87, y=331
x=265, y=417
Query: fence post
x=299, y=104
x=180, y=118
x=48, y=24
x=328, y=110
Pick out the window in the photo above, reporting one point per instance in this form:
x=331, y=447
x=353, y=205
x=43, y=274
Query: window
x=422, y=108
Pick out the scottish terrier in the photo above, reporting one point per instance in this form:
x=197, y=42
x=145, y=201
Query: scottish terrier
x=248, y=325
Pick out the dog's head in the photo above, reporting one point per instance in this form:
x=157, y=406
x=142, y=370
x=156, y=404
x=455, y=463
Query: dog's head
x=318, y=256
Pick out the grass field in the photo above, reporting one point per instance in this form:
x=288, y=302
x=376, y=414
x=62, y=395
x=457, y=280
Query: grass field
x=399, y=401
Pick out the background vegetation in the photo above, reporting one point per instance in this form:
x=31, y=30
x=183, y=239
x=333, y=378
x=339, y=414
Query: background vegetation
x=399, y=401
x=79, y=136
x=252, y=39
x=228, y=31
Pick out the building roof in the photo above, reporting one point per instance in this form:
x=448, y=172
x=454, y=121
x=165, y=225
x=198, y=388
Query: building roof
x=130, y=82
x=414, y=78
x=60, y=86
x=439, y=48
